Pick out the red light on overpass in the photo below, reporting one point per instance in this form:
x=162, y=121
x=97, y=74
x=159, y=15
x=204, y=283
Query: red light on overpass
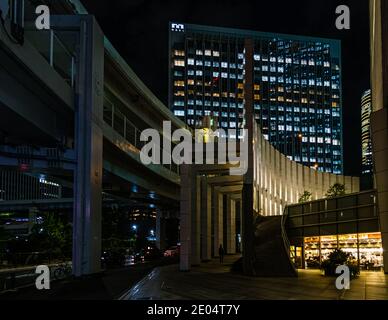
x=24, y=167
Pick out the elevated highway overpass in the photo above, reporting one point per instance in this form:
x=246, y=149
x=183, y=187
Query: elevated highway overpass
x=72, y=111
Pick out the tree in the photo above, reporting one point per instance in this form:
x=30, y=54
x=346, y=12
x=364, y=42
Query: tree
x=339, y=257
x=337, y=189
x=305, y=196
x=52, y=235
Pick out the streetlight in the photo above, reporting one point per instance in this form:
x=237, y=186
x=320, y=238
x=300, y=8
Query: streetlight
x=134, y=227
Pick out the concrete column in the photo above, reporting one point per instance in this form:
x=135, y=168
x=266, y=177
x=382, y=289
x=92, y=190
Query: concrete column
x=88, y=147
x=241, y=225
x=218, y=220
x=196, y=221
x=379, y=126
x=160, y=231
x=379, y=116
x=231, y=226
x=186, y=204
x=206, y=220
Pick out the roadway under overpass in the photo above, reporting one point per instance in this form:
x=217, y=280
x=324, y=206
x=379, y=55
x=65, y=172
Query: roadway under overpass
x=75, y=115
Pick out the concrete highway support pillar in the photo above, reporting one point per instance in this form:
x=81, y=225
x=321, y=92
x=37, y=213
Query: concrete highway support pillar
x=241, y=225
x=231, y=226
x=88, y=147
x=218, y=220
x=196, y=221
x=190, y=218
x=186, y=206
x=206, y=220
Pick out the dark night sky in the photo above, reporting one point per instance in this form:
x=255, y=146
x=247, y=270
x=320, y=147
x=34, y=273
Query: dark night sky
x=139, y=31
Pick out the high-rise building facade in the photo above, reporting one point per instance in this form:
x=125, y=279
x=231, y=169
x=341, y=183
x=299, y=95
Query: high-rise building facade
x=366, y=143
x=297, y=88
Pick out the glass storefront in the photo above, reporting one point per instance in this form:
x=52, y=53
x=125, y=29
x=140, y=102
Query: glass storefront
x=365, y=248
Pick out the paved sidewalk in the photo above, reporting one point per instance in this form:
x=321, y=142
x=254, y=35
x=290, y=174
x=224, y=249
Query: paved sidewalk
x=214, y=281
x=105, y=286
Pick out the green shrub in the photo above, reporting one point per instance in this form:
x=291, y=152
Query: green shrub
x=306, y=196
x=336, y=258
x=337, y=189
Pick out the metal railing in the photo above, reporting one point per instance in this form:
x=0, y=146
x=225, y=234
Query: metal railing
x=350, y=208
x=131, y=133
x=286, y=242
x=54, y=45
x=21, y=277
x=50, y=45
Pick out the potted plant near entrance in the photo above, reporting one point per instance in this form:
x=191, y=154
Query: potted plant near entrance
x=336, y=258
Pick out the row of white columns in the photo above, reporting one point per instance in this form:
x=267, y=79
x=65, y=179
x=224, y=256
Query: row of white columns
x=202, y=216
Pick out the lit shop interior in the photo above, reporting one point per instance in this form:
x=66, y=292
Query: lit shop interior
x=365, y=248
x=349, y=223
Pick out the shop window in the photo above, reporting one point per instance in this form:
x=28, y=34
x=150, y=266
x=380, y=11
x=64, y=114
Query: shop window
x=328, y=244
x=371, y=253
x=312, y=252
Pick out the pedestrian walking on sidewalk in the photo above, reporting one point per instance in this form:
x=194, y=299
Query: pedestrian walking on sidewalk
x=221, y=253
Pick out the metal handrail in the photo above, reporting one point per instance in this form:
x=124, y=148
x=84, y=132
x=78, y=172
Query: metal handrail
x=134, y=138
x=286, y=242
x=54, y=45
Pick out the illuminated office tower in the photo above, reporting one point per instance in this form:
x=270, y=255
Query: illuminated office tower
x=366, y=144
x=297, y=88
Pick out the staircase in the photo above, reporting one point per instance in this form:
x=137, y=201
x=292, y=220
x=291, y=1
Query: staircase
x=271, y=248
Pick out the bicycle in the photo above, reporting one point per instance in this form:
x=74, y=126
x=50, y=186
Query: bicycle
x=62, y=271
